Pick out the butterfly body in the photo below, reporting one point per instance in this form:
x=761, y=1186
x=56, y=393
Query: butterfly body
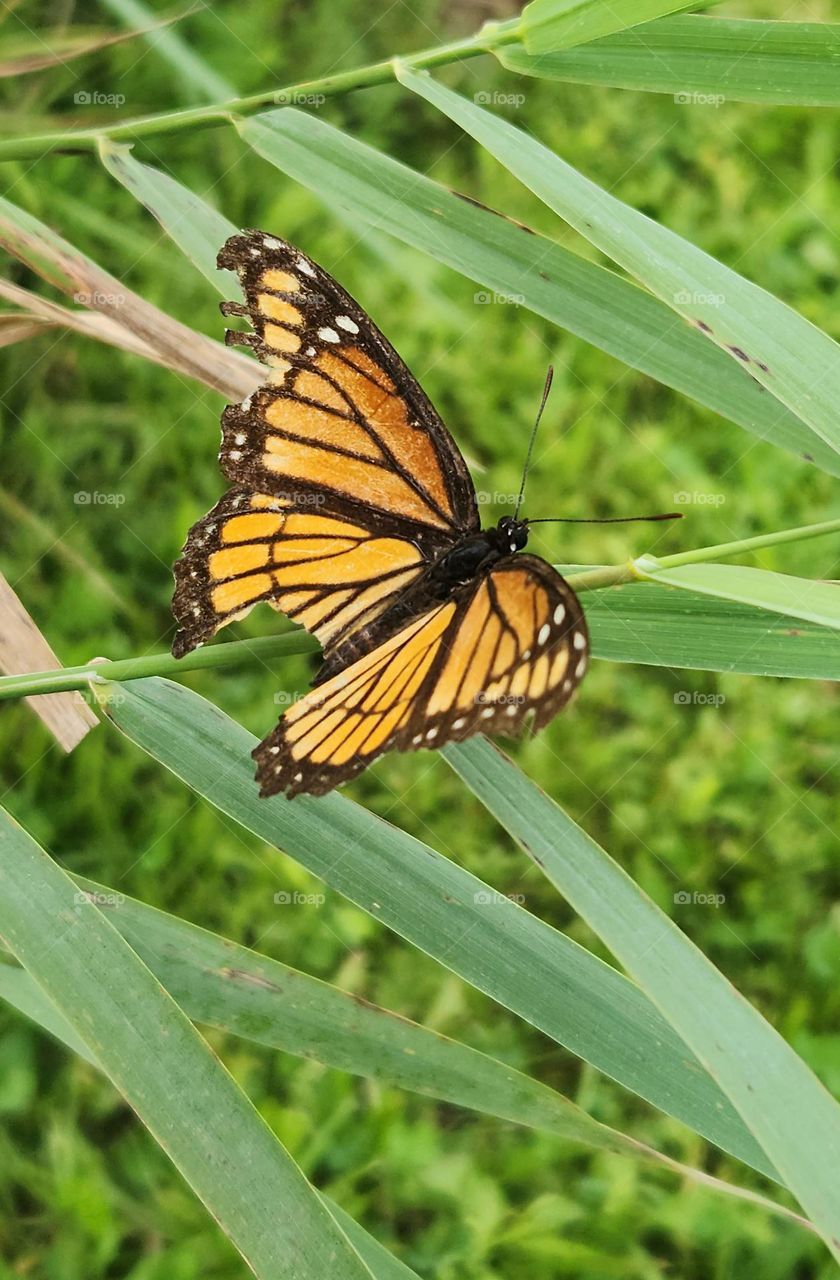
x=353, y=512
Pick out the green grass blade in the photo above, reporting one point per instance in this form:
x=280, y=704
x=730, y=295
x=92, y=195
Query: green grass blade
x=191, y=71
x=501, y=949
x=196, y=227
x=699, y=60
x=165, y=1071
x=653, y=624
x=588, y=300
x=787, y=1109
x=220, y=984
x=779, y=348
x=546, y=25
x=804, y=598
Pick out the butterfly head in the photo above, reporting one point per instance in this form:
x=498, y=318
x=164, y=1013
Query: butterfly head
x=511, y=534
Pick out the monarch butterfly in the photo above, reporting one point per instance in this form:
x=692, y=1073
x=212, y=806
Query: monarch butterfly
x=353, y=512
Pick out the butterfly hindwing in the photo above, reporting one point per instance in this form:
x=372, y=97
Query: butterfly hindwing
x=341, y=415
x=511, y=642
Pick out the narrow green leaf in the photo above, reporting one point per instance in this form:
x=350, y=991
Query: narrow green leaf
x=703, y=61
x=776, y=592
x=546, y=25
x=779, y=348
x=494, y=944
x=588, y=300
x=653, y=624
x=192, y=71
x=165, y=1071
x=787, y=1109
x=221, y=984
x=196, y=227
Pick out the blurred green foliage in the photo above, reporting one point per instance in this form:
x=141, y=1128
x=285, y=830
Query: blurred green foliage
x=738, y=799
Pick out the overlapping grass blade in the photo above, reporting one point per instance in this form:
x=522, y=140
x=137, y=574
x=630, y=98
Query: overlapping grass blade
x=788, y=1110
x=782, y=593
x=221, y=984
x=493, y=943
x=588, y=300
x=653, y=624
x=165, y=1071
x=780, y=349
x=699, y=59
x=559, y=24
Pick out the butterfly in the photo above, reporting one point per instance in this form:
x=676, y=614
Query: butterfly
x=353, y=512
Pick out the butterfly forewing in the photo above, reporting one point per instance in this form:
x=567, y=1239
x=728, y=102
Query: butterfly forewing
x=342, y=417
x=510, y=643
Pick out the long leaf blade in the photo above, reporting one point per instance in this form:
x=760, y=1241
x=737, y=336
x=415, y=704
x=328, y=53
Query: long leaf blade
x=702, y=61
x=790, y=1112
x=588, y=300
x=504, y=951
x=780, y=349
x=167, y=1073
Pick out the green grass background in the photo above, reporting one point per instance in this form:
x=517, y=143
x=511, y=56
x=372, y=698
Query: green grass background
x=738, y=799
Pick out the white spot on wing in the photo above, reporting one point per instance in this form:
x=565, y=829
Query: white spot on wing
x=303, y=265
x=544, y=633
x=345, y=322
x=579, y=640
x=560, y=613
x=328, y=335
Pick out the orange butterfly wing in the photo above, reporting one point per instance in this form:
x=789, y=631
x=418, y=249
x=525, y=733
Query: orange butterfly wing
x=511, y=642
x=346, y=482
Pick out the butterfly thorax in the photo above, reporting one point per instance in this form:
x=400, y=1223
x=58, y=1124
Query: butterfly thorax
x=479, y=550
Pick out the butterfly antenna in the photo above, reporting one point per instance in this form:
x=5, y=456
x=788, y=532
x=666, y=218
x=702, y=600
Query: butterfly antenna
x=667, y=515
x=548, y=380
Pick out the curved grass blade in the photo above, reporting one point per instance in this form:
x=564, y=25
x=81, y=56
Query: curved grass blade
x=797, y=362
x=699, y=60
x=656, y=625
x=191, y=70
x=804, y=598
x=165, y=1071
x=785, y=1106
x=220, y=984
x=588, y=300
x=196, y=227
x=494, y=944
x=546, y=25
